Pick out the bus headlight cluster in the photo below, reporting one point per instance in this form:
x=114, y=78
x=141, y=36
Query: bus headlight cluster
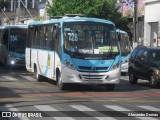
x=116, y=66
x=69, y=65
x=12, y=62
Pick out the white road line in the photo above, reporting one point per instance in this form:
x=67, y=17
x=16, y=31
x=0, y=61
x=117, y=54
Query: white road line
x=45, y=108
x=28, y=78
x=147, y=118
x=63, y=118
x=9, y=78
x=150, y=108
x=11, y=108
x=105, y=118
x=116, y=108
x=81, y=108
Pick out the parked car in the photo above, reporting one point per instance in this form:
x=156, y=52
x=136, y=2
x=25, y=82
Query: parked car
x=144, y=64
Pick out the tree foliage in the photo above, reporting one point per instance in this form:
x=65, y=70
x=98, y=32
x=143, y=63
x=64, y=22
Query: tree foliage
x=104, y=9
x=4, y=3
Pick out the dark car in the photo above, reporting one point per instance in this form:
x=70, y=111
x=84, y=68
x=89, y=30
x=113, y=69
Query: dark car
x=144, y=64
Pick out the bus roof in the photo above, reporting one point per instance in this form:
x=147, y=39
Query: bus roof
x=71, y=19
x=121, y=31
x=14, y=26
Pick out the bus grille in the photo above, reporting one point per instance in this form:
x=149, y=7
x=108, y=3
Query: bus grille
x=92, y=68
x=94, y=77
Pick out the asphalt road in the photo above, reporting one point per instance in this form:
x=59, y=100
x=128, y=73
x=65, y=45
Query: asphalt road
x=22, y=97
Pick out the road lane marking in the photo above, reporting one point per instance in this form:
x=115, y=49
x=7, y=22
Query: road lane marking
x=9, y=78
x=116, y=108
x=59, y=113
x=147, y=118
x=28, y=78
x=45, y=108
x=105, y=118
x=12, y=109
x=81, y=108
x=89, y=111
x=33, y=99
x=150, y=108
x=63, y=118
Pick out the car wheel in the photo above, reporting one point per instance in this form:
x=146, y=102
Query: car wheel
x=110, y=87
x=132, y=78
x=61, y=85
x=153, y=83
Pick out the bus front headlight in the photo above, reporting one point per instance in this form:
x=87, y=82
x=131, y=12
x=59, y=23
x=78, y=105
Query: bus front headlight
x=116, y=66
x=69, y=65
x=12, y=62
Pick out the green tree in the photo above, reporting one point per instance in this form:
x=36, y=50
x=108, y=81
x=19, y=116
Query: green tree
x=104, y=9
x=4, y=3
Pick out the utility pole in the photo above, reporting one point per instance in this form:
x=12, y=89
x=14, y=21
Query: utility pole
x=135, y=23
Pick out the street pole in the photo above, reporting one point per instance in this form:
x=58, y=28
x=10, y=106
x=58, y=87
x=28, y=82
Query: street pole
x=135, y=23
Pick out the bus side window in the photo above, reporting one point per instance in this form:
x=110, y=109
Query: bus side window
x=36, y=37
x=48, y=37
x=58, y=39
x=54, y=37
x=5, y=38
x=42, y=36
x=30, y=37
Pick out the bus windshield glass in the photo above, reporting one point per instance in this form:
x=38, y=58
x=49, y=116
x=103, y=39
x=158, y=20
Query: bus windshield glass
x=90, y=39
x=124, y=43
x=17, y=41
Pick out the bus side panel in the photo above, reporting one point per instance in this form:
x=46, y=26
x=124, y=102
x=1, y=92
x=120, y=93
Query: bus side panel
x=28, y=59
x=41, y=60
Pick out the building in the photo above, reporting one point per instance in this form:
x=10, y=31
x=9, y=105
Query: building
x=19, y=11
x=127, y=10
x=152, y=23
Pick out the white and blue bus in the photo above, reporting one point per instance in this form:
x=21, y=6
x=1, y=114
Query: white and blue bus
x=12, y=45
x=125, y=49
x=74, y=50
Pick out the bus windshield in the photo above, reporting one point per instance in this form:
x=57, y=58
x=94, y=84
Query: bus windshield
x=17, y=41
x=124, y=43
x=90, y=39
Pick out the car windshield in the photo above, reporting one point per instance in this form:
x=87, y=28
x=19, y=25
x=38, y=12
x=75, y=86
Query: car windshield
x=155, y=55
x=17, y=41
x=90, y=38
x=124, y=43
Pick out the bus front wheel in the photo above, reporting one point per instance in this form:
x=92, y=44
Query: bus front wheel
x=61, y=85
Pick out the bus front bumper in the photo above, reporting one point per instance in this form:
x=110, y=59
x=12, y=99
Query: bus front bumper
x=73, y=76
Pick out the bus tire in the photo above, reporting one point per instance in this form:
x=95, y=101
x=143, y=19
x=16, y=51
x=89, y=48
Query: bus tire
x=110, y=87
x=61, y=85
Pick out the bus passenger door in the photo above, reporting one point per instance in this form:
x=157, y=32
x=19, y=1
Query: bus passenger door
x=57, y=48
